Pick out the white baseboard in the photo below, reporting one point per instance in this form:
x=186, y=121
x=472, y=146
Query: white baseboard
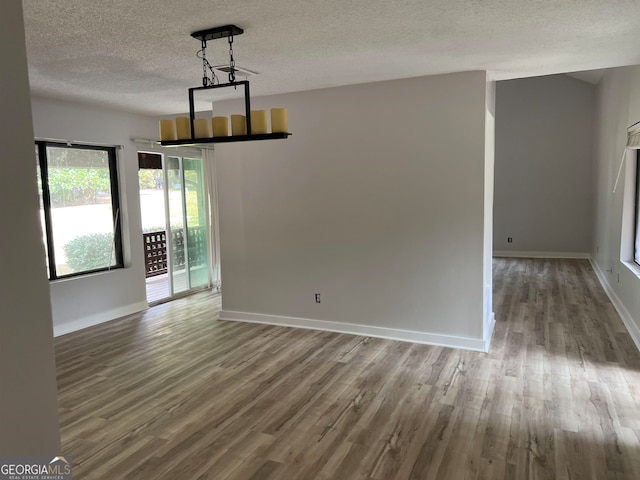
x=489, y=326
x=450, y=341
x=535, y=254
x=626, y=317
x=98, y=318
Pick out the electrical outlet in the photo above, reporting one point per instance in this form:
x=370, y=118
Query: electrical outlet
x=509, y=239
x=317, y=298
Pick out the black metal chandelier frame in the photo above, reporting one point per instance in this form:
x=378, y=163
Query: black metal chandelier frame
x=226, y=31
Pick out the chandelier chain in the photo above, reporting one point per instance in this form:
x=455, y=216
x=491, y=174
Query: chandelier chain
x=205, y=77
x=232, y=62
x=206, y=67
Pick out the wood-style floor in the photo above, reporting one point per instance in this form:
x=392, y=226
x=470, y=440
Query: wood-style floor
x=175, y=394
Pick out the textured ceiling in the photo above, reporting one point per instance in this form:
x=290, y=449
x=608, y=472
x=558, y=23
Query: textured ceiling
x=139, y=55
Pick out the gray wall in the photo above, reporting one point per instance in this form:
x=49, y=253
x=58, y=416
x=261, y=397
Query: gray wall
x=90, y=299
x=376, y=202
x=543, y=165
x=618, y=107
x=28, y=398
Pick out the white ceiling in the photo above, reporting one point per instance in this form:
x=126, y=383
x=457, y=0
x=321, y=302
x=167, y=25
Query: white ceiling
x=139, y=55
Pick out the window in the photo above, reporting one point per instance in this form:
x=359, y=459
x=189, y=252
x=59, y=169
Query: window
x=636, y=249
x=79, y=208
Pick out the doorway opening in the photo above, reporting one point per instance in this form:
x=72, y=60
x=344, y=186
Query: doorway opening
x=174, y=225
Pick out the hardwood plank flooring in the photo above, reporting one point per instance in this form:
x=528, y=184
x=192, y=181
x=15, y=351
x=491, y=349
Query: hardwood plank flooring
x=174, y=393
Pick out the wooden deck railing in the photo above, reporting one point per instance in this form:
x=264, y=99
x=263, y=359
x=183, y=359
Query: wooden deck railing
x=155, y=253
x=155, y=249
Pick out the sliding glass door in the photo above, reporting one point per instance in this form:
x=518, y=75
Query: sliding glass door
x=176, y=238
x=188, y=223
x=196, y=222
x=185, y=230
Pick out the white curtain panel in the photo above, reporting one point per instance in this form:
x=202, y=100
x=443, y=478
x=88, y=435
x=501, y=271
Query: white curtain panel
x=209, y=165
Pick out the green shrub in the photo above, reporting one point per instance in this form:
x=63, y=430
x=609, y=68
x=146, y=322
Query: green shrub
x=90, y=252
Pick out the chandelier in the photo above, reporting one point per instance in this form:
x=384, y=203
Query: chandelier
x=251, y=125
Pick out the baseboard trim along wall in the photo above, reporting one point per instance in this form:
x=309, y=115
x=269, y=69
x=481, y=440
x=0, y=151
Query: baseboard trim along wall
x=626, y=317
x=98, y=318
x=489, y=326
x=476, y=344
x=533, y=254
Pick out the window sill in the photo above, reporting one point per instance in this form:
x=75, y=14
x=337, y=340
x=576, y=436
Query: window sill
x=81, y=276
x=633, y=266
